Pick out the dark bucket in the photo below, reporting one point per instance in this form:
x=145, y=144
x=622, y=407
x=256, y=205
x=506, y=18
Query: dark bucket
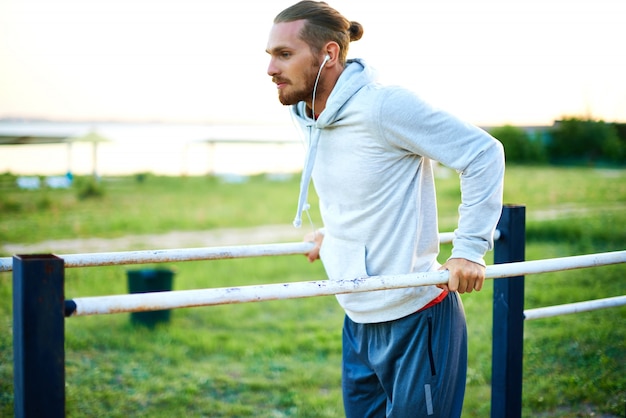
x=145, y=281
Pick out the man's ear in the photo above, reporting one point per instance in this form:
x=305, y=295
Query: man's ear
x=332, y=50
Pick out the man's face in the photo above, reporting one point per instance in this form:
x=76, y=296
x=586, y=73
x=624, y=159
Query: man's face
x=292, y=65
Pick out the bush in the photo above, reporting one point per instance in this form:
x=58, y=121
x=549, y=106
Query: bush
x=519, y=147
x=89, y=188
x=586, y=140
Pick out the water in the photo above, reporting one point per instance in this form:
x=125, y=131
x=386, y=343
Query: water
x=159, y=148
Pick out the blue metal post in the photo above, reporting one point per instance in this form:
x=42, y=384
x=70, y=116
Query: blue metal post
x=38, y=336
x=508, y=318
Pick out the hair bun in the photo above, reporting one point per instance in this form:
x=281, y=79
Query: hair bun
x=356, y=31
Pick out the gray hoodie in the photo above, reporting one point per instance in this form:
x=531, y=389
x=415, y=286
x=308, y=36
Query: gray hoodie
x=370, y=156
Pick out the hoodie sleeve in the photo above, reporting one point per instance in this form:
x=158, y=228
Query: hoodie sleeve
x=410, y=124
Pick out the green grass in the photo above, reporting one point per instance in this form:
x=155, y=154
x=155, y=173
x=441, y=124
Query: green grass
x=282, y=358
x=153, y=205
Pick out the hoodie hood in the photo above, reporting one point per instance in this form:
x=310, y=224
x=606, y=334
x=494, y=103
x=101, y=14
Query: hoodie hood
x=355, y=76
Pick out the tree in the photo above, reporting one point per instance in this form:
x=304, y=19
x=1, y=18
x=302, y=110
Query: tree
x=586, y=140
x=519, y=147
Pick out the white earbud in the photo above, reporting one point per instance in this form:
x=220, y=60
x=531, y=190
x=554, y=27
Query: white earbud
x=326, y=59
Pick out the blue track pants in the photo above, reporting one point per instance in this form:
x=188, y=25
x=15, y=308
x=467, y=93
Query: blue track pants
x=411, y=367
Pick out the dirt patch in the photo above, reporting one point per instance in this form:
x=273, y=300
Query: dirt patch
x=268, y=234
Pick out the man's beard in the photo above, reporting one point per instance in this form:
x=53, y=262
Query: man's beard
x=303, y=94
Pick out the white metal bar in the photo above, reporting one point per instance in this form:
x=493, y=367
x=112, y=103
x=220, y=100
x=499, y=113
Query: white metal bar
x=189, y=254
x=572, y=308
x=446, y=237
x=165, y=256
x=555, y=264
x=220, y=296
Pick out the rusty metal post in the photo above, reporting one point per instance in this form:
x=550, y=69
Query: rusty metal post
x=38, y=336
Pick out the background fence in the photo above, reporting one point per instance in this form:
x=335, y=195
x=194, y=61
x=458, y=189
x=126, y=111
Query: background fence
x=40, y=308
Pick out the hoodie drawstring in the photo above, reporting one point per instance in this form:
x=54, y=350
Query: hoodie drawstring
x=306, y=177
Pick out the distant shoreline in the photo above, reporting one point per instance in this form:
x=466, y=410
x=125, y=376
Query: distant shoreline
x=55, y=148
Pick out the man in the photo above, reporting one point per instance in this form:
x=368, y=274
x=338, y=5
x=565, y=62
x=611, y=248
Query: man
x=370, y=153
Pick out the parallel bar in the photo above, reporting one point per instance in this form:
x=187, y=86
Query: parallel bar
x=220, y=296
x=555, y=264
x=189, y=254
x=171, y=255
x=447, y=237
x=572, y=308
x=97, y=305
x=38, y=337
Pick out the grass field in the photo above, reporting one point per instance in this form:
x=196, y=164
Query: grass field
x=282, y=359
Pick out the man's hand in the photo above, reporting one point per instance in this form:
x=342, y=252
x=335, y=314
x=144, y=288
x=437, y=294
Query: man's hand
x=465, y=275
x=316, y=238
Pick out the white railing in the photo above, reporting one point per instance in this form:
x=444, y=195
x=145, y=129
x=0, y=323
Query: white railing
x=573, y=308
x=98, y=305
x=188, y=254
x=39, y=368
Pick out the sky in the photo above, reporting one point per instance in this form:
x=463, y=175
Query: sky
x=490, y=62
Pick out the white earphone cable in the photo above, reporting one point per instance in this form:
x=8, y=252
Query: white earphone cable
x=317, y=79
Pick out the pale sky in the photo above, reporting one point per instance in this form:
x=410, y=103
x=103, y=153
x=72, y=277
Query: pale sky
x=489, y=62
